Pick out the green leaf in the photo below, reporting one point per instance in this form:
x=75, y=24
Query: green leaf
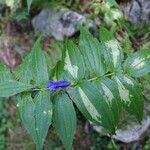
x=74, y=64
x=39, y=65
x=65, y=119
x=112, y=2
x=111, y=50
x=26, y=107
x=93, y=105
x=43, y=116
x=34, y=66
x=29, y=3
x=4, y=73
x=24, y=71
x=91, y=50
x=105, y=35
x=53, y=56
x=109, y=89
x=36, y=115
x=112, y=15
x=138, y=64
x=131, y=95
x=12, y=87
x=59, y=71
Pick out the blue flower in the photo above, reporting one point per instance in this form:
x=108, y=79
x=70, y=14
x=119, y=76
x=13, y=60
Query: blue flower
x=57, y=85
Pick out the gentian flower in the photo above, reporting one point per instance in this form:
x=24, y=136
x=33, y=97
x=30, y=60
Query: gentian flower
x=57, y=85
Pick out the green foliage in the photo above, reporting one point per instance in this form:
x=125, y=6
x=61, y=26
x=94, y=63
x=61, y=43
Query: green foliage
x=49, y=3
x=112, y=2
x=128, y=89
x=53, y=56
x=72, y=59
x=138, y=64
x=21, y=15
x=4, y=123
x=102, y=86
x=126, y=44
x=91, y=103
x=109, y=89
x=8, y=86
x=36, y=115
x=65, y=119
x=111, y=51
x=11, y=87
x=90, y=48
x=147, y=144
x=110, y=11
x=34, y=67
x=29, y=3
x=4, y=73
x=39, y=66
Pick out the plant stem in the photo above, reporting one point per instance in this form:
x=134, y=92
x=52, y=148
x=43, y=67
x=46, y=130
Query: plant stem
x=95, y=78
x=44, y=89
x=109, y=74
x=114, y=144
x=92, y=79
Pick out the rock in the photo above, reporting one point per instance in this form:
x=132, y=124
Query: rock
x=135, y=12
x=139, y=11
x=146, y=11
x=132, y=133
x=58, y=23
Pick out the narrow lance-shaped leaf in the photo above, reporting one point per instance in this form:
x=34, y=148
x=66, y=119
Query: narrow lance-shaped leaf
x=91, y=50
x=65, y=119
x=36, y=115
x=131, y=95
x=12, y=87
x=43, y=116
x=24, y=71
x=138, y=64
x=59, y=69
x=74, y=64
x=4, y=73
x=26, y=108
x=53, y=56
x=34, y=67
x=93, y=105
x=39, y=66
x=29, y=3
x=111, y=50
x=110, y=92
